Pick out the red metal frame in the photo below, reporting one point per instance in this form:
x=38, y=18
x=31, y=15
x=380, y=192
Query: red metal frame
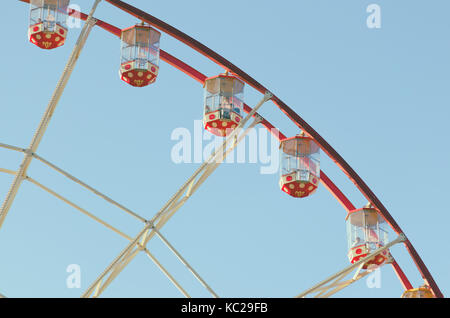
x=401, y=276
x=291, y=114
x=337, y=193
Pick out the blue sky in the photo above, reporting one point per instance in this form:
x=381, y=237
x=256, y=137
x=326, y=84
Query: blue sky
x=378, y=96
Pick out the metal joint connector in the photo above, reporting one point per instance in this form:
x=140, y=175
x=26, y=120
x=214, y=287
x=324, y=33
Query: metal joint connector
x=267, y=96
x=258, y=118
x=28, y=152
x=402, y=237
x=92, y=21
x=150, y=224
x=140, y=247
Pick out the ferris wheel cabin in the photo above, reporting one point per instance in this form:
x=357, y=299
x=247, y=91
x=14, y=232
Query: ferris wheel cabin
x=223, y=104
x=139, y=55
x=47, y=27
x=421, y=292
x=366, y=232
x=299, y=166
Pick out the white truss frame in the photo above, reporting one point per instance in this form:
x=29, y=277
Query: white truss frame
x=335, y=283
x=150, y=230
x=37, y=138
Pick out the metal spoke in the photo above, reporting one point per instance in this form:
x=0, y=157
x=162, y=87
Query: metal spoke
x=170, y=277
x=83, y=184
x=201, y=280
x=78, y=208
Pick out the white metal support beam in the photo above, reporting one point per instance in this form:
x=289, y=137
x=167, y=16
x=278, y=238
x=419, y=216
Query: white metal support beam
x=334, y=281
x=90, y=22
x=74, y=179
x=88, y=187
x=346, y=283
x=85, y=212
x=185, y=263
x=129, y=256
x=115, y=263
x=8, y=171
x=65, y=200
x=2, y=145
x=170, y=277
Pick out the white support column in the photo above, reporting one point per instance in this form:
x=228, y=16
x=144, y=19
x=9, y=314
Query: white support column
x=166, y=272
x=90, y=22
x=116, y=262
x=117, y=270
x=192, y=270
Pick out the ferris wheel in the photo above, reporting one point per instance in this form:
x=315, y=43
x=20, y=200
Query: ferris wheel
x=225, y=114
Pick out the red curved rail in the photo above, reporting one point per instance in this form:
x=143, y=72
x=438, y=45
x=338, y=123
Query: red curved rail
x=300, y=122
